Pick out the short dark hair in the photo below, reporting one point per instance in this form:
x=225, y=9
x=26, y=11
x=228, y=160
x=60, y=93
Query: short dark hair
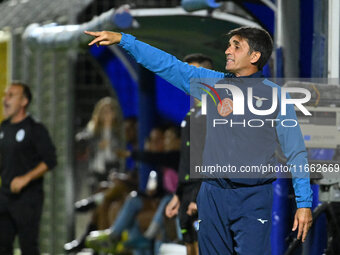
x=26, y=91
x=202, y=59
x=258, y=40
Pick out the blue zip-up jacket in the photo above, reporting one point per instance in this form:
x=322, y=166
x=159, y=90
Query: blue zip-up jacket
x=240, y=146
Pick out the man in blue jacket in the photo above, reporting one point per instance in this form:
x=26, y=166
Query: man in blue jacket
x=235, y=212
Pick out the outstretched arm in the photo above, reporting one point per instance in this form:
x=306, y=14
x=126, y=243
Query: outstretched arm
x=168, y=67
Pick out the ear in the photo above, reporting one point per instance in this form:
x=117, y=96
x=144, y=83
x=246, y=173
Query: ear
x=24, y=102
x=255, y=56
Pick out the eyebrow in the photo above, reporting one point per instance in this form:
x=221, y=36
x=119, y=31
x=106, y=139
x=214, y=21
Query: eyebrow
x=236, y=42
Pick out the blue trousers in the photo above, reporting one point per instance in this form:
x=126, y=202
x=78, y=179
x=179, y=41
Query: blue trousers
x=234, y=221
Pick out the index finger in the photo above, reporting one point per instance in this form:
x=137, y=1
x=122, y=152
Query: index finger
x=92, y=33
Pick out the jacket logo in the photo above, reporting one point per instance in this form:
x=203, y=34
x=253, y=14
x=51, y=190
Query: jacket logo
x=20, y=135
x=262, y=221
x=259, y=101
x=196, y=225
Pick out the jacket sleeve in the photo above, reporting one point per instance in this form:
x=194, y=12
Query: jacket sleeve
x=293, y=147
x=168, y=67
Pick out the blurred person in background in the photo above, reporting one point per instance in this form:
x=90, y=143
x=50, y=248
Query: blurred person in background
x=96, y=145
x=183, y=202
x=102, y=135
x=124, y=182
x=161, y=151
x=26, y=153
x=107, y=203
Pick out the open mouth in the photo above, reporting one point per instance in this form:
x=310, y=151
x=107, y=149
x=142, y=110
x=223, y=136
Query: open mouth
x=6, y=106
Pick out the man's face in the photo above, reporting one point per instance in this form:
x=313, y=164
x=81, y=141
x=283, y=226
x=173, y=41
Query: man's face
x=156, y=140
x=238, y=59
x=14, y=101
x=171, y=141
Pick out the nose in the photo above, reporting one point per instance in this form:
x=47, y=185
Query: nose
x=228, y=50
